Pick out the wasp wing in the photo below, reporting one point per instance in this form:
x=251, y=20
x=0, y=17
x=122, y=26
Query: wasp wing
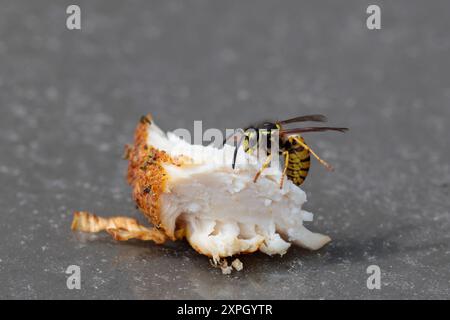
x=312, y=129
x=311, y=117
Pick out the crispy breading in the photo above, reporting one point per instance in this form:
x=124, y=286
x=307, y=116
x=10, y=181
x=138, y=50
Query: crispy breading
x=145, y=173
x=147, y=178
x=120, y=228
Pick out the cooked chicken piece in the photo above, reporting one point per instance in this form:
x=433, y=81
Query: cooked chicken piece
x=191, y=191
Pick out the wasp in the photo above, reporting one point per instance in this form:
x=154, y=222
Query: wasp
x=293, y=149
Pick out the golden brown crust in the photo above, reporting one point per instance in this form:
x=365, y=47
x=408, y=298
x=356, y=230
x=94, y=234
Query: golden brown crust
x=146, y=173
x=147, y=178
x=120, y=228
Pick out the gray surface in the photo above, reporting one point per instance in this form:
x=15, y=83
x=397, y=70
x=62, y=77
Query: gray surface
x=69, y=101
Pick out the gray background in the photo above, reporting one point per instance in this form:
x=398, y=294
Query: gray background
x=69, y=101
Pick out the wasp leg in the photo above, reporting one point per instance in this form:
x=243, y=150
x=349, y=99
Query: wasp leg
x=304, y=145
x=264, y=166
x=286, y=163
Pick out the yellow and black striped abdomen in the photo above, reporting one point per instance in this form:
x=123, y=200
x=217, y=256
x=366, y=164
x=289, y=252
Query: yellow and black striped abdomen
x=299, y=162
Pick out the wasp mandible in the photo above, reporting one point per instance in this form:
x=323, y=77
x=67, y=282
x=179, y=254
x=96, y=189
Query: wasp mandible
x=292, y=147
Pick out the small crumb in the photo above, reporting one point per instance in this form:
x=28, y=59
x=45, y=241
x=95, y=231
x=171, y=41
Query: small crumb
x=222, y=264
x=226, y=270
x=237, y=264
